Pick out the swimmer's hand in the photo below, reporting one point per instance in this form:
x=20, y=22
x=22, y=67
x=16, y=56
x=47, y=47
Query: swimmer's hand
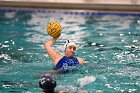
x=55, y=38
x=81, y=60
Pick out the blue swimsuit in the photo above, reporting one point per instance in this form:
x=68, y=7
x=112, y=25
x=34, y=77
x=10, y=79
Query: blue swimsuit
x=67, y=64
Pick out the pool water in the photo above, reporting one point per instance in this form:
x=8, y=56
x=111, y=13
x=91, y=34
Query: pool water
x=109, y=42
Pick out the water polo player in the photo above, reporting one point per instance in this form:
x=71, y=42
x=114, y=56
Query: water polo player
x=64, y=62
x=48, y=84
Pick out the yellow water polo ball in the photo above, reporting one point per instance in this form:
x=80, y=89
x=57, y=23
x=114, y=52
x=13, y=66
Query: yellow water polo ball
x=54, y=29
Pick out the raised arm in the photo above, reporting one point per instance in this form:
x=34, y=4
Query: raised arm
x=51, y=52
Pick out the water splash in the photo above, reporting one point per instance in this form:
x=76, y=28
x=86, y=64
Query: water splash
x=86, y=80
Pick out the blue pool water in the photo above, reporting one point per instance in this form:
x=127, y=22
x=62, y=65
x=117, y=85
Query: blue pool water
x=109, y=42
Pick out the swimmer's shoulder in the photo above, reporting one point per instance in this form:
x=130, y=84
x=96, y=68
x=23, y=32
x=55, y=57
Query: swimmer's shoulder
x=81, y=60
x=58, y=59
x=57, y=91
x=60, y=91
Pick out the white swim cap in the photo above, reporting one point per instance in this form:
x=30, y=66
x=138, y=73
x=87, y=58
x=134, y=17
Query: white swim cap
x=69, y=43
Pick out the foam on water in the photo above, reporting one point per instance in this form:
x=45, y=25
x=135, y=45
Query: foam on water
x=86, y=80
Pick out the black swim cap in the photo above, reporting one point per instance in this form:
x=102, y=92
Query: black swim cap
x=47, y=83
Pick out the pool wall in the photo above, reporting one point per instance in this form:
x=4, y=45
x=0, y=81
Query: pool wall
x=88, y=5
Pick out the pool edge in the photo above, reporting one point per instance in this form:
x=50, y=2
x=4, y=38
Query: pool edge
x=77, y=6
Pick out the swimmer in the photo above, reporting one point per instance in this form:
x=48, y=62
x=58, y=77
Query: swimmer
x=48, y=84
x=63, y=62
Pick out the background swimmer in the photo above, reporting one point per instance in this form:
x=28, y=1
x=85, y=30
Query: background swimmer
x=48, y=84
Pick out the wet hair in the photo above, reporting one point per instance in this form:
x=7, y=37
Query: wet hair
x=47, y=83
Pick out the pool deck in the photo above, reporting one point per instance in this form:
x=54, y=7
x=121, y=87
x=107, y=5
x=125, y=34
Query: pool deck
x=104, y=5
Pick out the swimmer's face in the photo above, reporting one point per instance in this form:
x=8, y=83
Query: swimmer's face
x=70, y=51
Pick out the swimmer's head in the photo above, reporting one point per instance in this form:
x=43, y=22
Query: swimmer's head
x=47, y=83
x=70, y=48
